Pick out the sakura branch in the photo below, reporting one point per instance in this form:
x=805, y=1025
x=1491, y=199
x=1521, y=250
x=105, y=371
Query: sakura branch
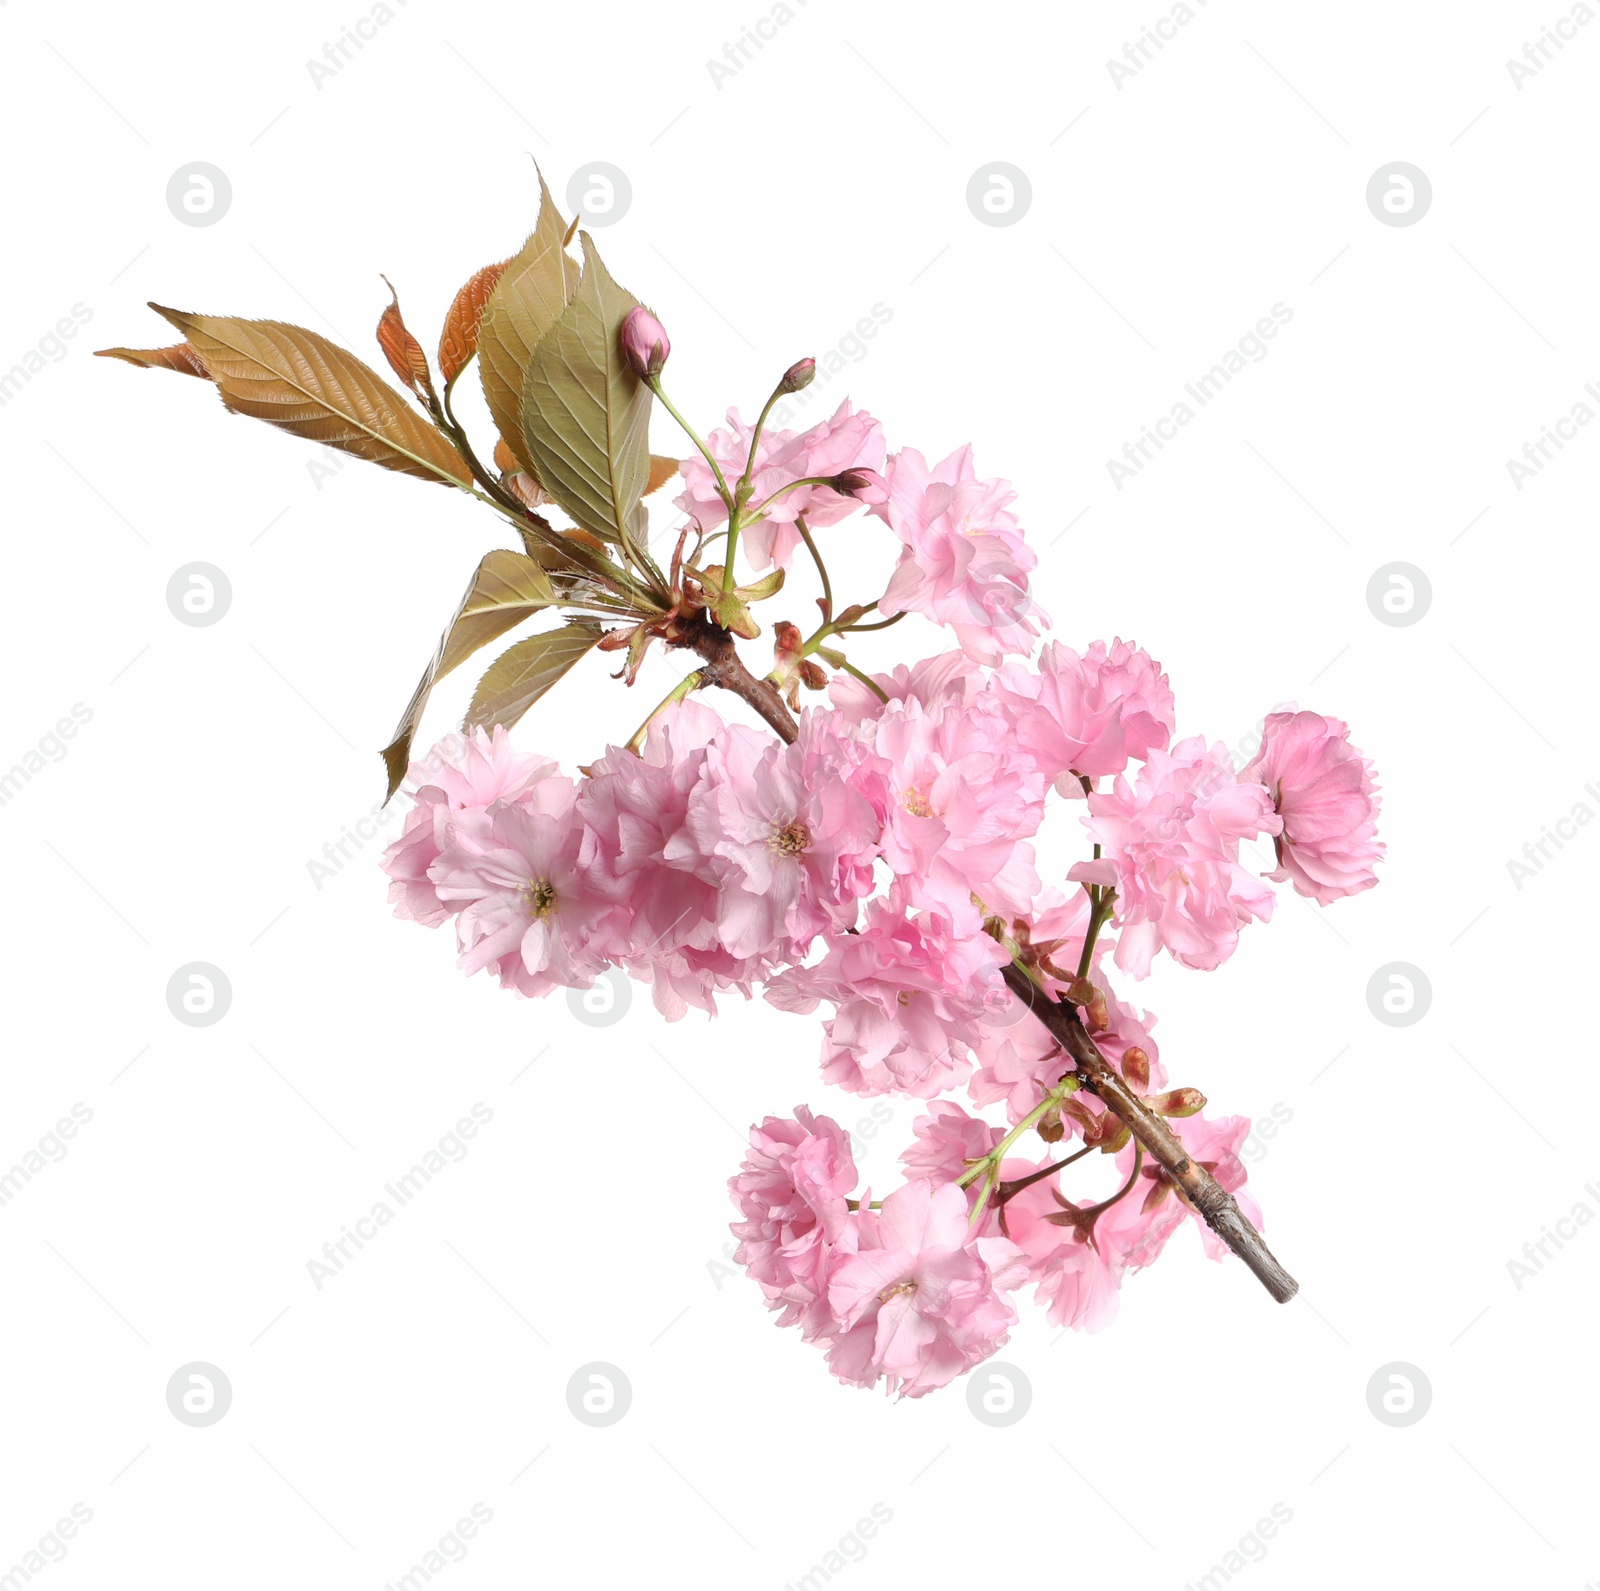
x=866, y=847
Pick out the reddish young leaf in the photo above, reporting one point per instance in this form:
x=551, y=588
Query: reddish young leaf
x=458, y=342
x=661, y=471
x=402, y=350
x=180, y=357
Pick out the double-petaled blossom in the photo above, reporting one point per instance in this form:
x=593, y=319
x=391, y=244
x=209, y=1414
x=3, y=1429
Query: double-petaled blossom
x=963, y=560
x=908, y=992
x=958, y=802
x=1171, y=843
x=1323, y=790
x=528, y=908
x=1089, y=714
x=923, y=1298
x=633, y=806
x=792, y=1193
x=948, y=1142
x=789, y=849
x=468, y=774
x=906, y=1296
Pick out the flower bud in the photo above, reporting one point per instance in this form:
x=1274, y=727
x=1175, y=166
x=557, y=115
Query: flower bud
x=813, y=676
x=1136, y=1068
x=645, y=344
x=1177, y=1102
x=866, y=486
x=799, y=375
x=1096, y=1013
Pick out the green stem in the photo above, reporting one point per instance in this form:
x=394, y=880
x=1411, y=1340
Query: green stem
x=866, y=679
x=688, y=684
x=882, y=624
x=755, y=440
x=694, y=436
x=783, y=491
x=822, y=568
x=1099, y=911
x=989, y=1167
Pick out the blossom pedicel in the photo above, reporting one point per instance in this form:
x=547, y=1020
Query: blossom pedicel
x=865, y=852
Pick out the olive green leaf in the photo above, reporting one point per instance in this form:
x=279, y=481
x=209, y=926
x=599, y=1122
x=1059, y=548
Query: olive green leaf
x=506, y=588
x=522, y=674
x=528, y=299
x=586, y=415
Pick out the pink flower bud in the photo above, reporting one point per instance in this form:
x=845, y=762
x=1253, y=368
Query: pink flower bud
x=866, y=486
x=799, y=374
x=645, y=344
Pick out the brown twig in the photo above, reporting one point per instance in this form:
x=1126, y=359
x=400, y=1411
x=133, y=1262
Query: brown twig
x=1216, y=1205
x=724, y=667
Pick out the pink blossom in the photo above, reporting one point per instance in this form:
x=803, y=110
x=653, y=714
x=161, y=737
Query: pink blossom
x=1172, y=849
x=949, y=677
x=963, y=561
x=908, y=990
x=848, y=439
x=790, y=852
x=949, y=1142
x=1074, y=1275
x=1089, y=714
x=958, y=802
x=792, y=1191
x=1323, y=790
x=633, y=806
x=923, y=1299
x=463, y=774
x=528, y=908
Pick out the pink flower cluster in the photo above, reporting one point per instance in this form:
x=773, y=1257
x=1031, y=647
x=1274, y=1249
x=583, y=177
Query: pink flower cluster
x=963, y=560
x=910, y=1293
x=884, y=866
x=906, y=1295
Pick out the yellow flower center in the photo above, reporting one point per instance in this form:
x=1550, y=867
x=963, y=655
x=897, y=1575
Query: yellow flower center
x=792, y=840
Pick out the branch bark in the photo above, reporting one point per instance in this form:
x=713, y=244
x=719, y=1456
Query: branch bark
x=724, y=667
x=1216, y=1205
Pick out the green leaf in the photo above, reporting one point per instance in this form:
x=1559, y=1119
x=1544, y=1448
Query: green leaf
x=586, y=415
x=527, y=301
x=505, y=590
x=729, y=610
x=520, y=676
x=769, y=585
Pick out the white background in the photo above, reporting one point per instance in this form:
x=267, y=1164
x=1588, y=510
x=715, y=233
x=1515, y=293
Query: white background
x=769, y=213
